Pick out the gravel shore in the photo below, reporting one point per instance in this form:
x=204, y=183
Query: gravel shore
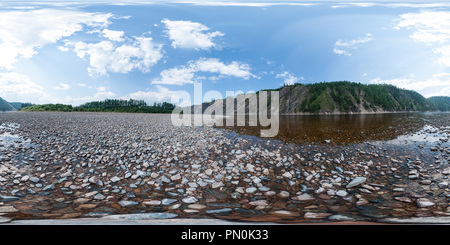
x=86, y=165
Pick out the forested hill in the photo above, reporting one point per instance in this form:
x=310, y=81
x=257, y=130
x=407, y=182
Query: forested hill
x=342, y=97
x=5, y=106
x=442, y=103
x=348, y=97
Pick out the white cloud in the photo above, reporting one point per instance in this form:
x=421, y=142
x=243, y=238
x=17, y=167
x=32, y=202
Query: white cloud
x=113, y=35
x=187, y=74
x=444, y=51
x=162, y=95
x=107, y=56
x=429, y=87
x=289, y=79
x=191, y=35
x=22, y=33
x=15, y=83
x=344, y=47
x=247, y=4
x=429, y=26
x=62, y=86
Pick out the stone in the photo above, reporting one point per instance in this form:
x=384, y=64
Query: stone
x=115, y=179
x=49, y=187
x=341, y=193
x=128, y=203
x=339, y=217
x=143, y=216
x=189, y=199
x=93, y=180
x=152, y=202
x=218, y=211
x=8, y=198
x=197, y=206
x=168, y=201
x=284, y=194
x=7, y=209
x=259, y=203
x=34, y=179
x=5, y=219
x=425, y=182
x=403, y=199
x=303, y=197
x=99, y=196
x=310, y=215
x=443, y=185
x=356, y=181
x=217, y=185
x=424, y=203
x=287, y=175
x=175, y=177
x=250, y=190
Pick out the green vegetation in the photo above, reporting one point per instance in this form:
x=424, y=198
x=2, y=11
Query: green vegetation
x=348, y=97
x=20, y=105
x=441, y=103
x=109, y=105
x=5, y=106
x=48, y=107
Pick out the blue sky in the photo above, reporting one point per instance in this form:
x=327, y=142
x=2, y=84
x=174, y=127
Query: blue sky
x=76, y=52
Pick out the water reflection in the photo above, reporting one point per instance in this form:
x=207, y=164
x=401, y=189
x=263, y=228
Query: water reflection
x=350, y=129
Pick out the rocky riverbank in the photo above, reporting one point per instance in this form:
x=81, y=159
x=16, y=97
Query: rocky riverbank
x=76, y=165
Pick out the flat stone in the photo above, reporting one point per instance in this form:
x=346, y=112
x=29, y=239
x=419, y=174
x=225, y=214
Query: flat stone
x=425, y=182
x=144, y=216
x=310, y=215
x=356, y=181
x=128, y=203
x=49, y=187
x=217, y=185
x=250, y=190
x=197, y=206
x=259, y=203
x=423, y=203
x=303, y=197
x=217, y=211
x=284, y=194
x=283, y=212
x=168, y=201
x=189, y=200
x=5, y=219
x=115, y=179
x=339, y=217
x=8, y=198
x=7, y=209
x=34, y=179
x=341, y=193
x=152, y=202
x=403, y=199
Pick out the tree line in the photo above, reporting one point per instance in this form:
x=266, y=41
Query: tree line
x=108, y=105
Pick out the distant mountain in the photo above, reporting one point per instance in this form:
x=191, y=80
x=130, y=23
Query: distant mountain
x=345, y=97
x=442, y=103
x=5, y=106
x=20, y=105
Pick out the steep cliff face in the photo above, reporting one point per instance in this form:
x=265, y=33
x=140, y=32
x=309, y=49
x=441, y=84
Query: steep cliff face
x=332, y=98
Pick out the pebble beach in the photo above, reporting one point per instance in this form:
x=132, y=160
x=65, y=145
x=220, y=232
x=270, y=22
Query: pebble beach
x=57, y=165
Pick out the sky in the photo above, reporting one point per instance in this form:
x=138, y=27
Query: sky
x=76, y=52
